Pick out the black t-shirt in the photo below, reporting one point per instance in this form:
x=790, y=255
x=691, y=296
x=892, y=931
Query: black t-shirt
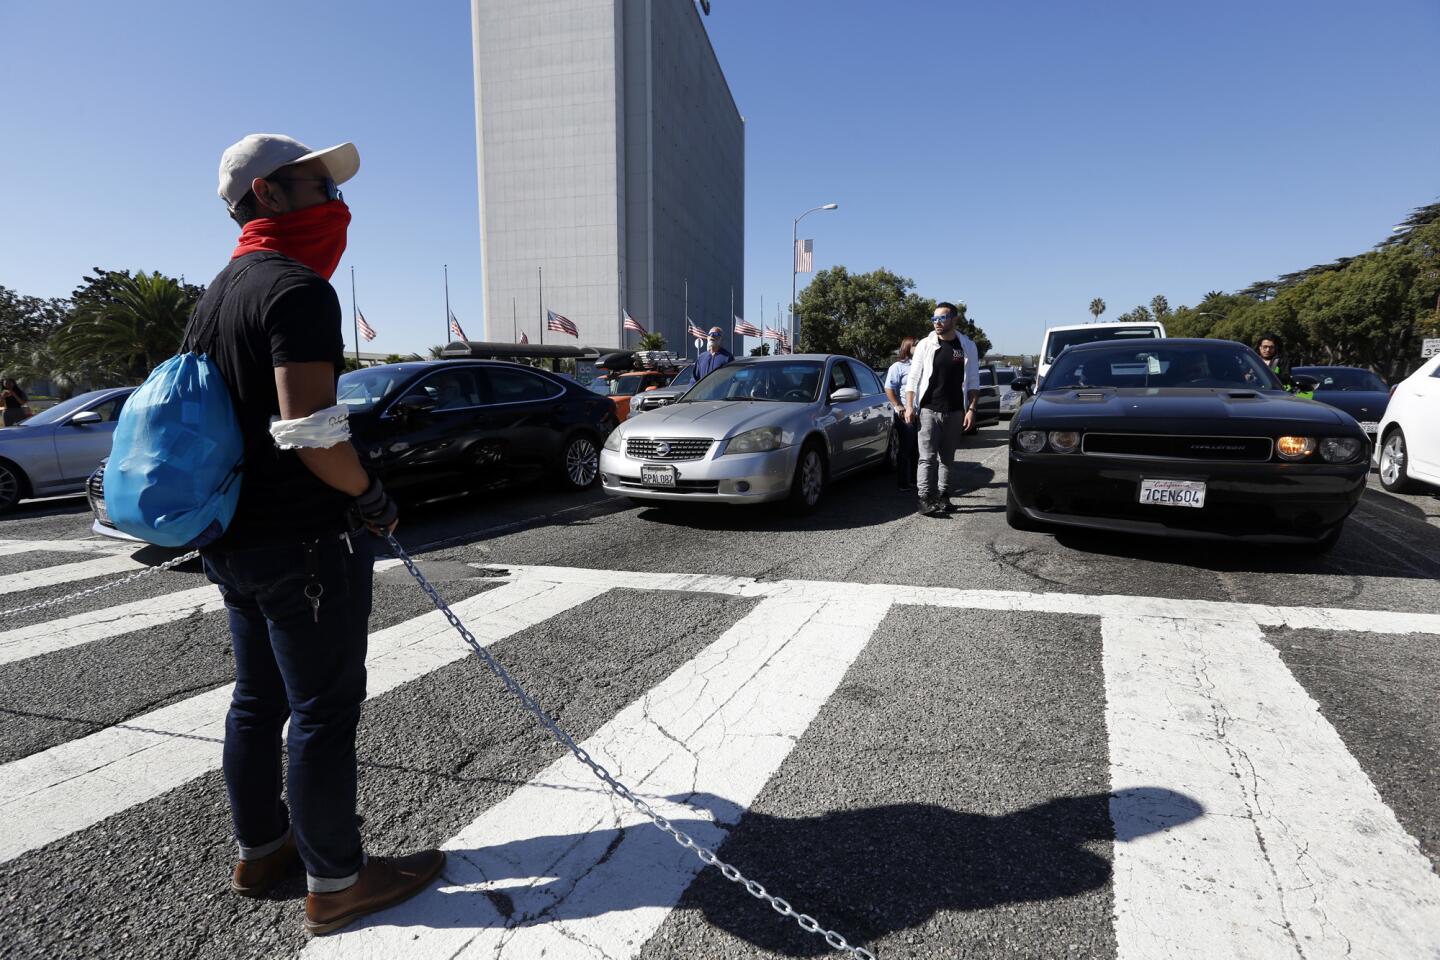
x=946, y=390
x=278, y=311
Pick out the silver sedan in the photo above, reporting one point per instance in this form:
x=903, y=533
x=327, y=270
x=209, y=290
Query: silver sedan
x=55, y=451
x=758, y=429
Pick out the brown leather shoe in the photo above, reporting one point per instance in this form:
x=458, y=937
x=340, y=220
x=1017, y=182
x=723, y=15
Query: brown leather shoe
x=384, y=882
x=252, y=878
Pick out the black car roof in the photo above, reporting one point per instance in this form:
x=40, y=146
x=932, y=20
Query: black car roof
x=1145, y=341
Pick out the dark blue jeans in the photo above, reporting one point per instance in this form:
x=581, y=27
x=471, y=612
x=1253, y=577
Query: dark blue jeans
x=295, y=663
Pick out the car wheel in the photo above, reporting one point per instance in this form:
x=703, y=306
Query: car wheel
x=809, y=483
x=580, y=462
x=12, y=485
x=1015, y=516
x=1392, y=463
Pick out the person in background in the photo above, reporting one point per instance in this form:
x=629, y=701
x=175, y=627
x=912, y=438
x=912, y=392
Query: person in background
x=715, y=355
x=1271, y=349
x=906, y=454
x=940, y=394
x=14, y=399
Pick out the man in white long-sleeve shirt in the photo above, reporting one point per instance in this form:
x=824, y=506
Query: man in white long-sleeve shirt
x=941, y=391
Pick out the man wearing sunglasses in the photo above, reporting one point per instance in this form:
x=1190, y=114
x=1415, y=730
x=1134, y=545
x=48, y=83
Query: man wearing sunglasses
x=295, y=564
x=941, y=391
x=715, y=355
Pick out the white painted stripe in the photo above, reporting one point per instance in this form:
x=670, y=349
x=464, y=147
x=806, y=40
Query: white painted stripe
x=9, y=547
x=69, y=573
x=37, y=639
x=52, y=794
x=1295, y=853
x=1320, y=618
x=719, y=726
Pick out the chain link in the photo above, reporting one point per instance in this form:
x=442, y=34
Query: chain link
x=806, y=922
x=138, y=575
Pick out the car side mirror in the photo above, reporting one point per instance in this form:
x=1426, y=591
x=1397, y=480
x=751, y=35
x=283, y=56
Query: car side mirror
x=845, y=395
x=85, y=417
x=1022, y=383
x=1306, y=384
x=418, y=403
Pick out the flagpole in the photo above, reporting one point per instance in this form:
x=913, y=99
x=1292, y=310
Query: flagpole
x=355, y=316
x=540, y=276
x=732, y=321
x=514, y=321
x=688, y=335
x=447, y=302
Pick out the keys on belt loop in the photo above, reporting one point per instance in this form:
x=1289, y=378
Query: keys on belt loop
x=314, y=590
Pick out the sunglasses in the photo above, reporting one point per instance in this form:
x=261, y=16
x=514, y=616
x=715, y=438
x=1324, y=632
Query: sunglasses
x=332, y=192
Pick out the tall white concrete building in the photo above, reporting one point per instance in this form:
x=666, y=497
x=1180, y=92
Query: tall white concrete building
x=611, y=167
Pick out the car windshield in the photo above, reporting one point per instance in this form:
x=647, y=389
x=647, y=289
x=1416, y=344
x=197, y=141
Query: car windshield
x=1003, y=377
x=1191, y=365
x=58, y=412
x=362, y=389
x=1058, y=340
x=1343, y=379
x=987, y=378
x=795, y=381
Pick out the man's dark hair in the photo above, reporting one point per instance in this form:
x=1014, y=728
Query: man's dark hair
x=247, y=208
x=945, y=304
x=1279, y=344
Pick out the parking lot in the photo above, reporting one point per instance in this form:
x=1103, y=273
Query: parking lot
x=939, y=736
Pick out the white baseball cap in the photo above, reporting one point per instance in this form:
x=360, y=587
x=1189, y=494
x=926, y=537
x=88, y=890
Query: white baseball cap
x=261, y=154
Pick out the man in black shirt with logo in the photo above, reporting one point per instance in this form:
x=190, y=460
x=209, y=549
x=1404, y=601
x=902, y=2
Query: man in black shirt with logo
x=295, y=564
x=936, y=394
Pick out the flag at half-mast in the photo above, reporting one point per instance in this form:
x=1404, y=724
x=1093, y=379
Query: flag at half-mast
x=696, y=331
x=745, y=328
x=365, y=330
x=524, y=337
x=560, y=324
x=632, y=324
x=455, y=327
x=804, y=256
x=781, y=340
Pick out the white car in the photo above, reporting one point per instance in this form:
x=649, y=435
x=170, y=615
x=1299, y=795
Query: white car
x=1409, y=436
x=1058, y=338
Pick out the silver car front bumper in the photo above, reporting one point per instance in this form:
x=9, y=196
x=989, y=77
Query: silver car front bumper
x=737, y=478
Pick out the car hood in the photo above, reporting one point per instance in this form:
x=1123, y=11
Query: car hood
x=1361, y=404
x=713, y=419
x=1157, y=409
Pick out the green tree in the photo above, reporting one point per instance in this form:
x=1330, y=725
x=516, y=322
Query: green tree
x=1139, y=315
x=127, y=328
x=651, y=341
x=1097, y=307
x=1159, y=306
x=761, y=351
x=26, y=323
x=437, y=351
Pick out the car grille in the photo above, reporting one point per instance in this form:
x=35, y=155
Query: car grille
x=650, y=403
x=95, y=486
x=1177, y=447
x=642, y=448
x=681, y=485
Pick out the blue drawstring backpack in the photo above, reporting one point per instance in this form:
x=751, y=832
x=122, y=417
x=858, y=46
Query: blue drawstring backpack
x=173, y=477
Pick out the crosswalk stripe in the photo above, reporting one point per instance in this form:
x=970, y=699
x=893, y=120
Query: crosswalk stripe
x=51, y=794
x=10, y=547
x=564, y=852
x=68, y=573
x=1295, y=852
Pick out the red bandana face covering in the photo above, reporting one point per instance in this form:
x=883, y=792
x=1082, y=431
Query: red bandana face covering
x=314, y=236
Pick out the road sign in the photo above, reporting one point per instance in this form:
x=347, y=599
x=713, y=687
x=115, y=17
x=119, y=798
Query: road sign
x=1430, y=347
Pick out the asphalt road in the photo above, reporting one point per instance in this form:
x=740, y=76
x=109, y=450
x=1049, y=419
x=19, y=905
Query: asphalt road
x=940, y=737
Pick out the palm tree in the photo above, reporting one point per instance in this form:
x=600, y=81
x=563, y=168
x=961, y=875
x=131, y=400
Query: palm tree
x=1097, y=307
x=437, y=352
x=1159, y=306
x=130, y=334
x=651, y=341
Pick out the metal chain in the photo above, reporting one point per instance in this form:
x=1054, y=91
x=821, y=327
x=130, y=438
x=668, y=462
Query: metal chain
x=139, y=574
x=806, y=922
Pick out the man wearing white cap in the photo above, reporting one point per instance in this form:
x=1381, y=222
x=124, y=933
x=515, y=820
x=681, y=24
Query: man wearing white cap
x=295, y=565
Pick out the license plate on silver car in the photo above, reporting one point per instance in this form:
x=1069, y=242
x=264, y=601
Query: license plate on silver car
x=1173, y=493
x=657, y=476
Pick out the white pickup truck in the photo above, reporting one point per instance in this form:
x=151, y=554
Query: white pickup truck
x=1058, y=338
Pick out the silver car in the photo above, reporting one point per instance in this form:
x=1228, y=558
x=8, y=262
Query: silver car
x=55, y=451
x=758, y=429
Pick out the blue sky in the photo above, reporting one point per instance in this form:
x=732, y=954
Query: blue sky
x=1022, y=157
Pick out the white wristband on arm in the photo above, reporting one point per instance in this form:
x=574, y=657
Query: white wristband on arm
x=322, y=429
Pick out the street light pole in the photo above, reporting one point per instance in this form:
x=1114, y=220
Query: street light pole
x=794, y=253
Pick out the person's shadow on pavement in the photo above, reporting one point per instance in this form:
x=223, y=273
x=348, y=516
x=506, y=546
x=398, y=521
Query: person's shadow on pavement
x=866, y=873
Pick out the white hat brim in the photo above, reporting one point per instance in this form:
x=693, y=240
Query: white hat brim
x=342, y=160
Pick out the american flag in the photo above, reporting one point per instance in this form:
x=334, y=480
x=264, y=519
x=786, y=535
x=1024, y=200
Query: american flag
x=455, y=328
x=365, y=330
x=524, y=337
x=696, y=331
x=632, y=324
x=559, y=324
x=781, y=340
x=804, y=256
x=745, y=328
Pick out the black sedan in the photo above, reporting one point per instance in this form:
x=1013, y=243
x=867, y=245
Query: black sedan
x=1356, y=391
x=1190, y=438
x=474, y=423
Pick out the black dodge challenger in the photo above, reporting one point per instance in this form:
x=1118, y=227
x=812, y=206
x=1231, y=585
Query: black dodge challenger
x=1192, y=438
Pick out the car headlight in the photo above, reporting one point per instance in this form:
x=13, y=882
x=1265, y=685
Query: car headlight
x=612, y=442
x=1339, y=449
x=1295, y=448
x=1064, y=441
x=758, y=440
x=1031, y=441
